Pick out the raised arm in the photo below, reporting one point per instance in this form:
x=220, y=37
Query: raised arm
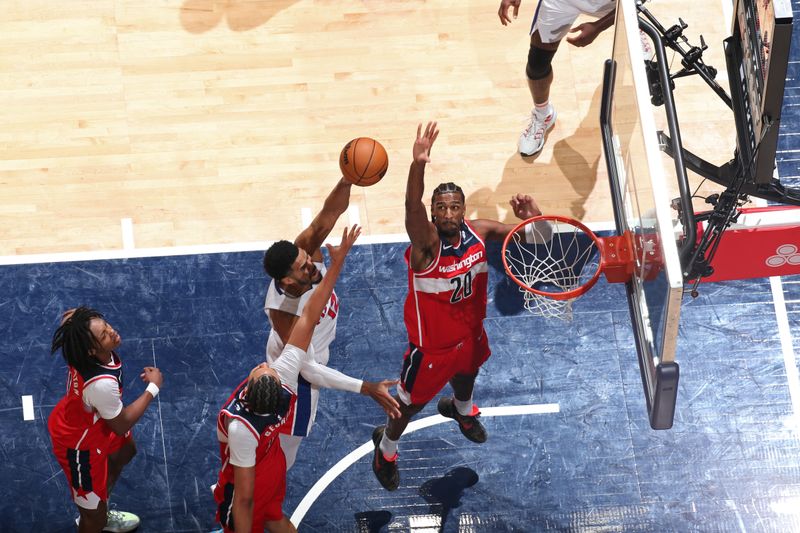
x=311, y=238
x=420, y=229
x=524, y=207
x=304, y=327
x=132, y=412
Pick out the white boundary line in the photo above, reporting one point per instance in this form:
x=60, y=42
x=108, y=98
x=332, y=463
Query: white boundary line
x=168, y=251
x=348, y=460
x=198, y=249
x=785, y=335
x=127, y=234
x=27, y=408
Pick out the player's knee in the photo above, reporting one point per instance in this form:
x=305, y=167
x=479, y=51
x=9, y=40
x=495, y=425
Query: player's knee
x=539, y=63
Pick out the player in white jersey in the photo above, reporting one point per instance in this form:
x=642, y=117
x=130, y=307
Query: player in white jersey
x=552, y=22
x=296, y=269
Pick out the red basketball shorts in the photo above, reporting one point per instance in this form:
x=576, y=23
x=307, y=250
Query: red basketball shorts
x=426, y=373
x=268, y=493
x=86, y=464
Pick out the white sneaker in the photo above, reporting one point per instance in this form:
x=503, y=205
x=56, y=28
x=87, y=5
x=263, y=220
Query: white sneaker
x=121, y=522
x=532, y=139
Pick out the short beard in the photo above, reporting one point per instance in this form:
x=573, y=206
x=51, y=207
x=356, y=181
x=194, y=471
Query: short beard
x=447, y=233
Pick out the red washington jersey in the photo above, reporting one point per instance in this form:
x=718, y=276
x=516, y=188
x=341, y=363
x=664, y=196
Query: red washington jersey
x=446, y=302
x=70, y=423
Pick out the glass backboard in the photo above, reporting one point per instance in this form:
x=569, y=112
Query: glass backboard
x=637, y=176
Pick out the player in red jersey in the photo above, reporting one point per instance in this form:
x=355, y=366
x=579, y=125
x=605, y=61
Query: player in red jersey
x=445, y=306
x=89, y=427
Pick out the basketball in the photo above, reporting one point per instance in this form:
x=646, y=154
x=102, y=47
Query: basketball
x=363, y=161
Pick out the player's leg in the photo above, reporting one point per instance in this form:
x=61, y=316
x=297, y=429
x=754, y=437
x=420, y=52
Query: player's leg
x=419, y=383
x=539, y=68
x=551, y=22
x=120, y=453
x=460, y=407
x=92, y=520
x=385, y=439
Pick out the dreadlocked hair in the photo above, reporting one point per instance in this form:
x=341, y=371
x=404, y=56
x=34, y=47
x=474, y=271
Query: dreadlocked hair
x=445, y=188
x=265, y=396
x=278, y=259
x=75, y=340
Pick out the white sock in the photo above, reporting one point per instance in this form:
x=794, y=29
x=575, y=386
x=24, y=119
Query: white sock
x=464, y=408
x=543, y=110
x=388, y=447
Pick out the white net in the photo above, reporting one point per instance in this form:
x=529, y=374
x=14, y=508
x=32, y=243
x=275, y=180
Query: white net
x=553, y=257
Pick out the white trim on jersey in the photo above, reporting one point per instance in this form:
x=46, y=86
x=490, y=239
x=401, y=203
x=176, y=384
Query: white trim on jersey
x=78, y=456
x=437, y=285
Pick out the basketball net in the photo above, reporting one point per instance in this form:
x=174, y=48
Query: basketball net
x=553, y=260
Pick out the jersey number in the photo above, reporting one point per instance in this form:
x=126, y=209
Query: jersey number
x=463, y=287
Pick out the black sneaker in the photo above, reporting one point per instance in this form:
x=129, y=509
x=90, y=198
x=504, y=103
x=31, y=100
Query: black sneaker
x=469, y=425
x=385, y=470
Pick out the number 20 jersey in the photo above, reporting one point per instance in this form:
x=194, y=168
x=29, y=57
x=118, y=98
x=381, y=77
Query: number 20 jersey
x=446, y=302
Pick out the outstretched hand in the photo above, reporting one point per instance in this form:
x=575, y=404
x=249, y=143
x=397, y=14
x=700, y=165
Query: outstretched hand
x=349, y=236
x=424, y=143
x=524, y=206
x=380, y=393
x=586, y=34
x=503, y=11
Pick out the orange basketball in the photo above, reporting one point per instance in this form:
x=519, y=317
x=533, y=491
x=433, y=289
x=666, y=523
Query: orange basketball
x=363, y=161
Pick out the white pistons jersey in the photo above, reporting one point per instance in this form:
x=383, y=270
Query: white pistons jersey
x=324, y=332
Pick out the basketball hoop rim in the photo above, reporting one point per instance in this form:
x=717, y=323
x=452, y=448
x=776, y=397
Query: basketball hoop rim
x=566, y=295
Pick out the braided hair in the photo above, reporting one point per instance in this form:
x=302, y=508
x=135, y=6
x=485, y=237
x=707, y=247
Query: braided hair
x=75, y=340
x=444, y=188
x=278, y=259
x=265, y=396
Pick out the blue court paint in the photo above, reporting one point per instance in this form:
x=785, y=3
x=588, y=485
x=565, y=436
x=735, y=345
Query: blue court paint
x=730, y=459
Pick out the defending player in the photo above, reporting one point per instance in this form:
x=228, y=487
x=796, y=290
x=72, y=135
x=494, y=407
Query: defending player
x=89, y=428
x=445, y=306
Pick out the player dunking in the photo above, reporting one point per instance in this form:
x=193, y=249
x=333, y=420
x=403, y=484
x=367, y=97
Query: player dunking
x=445, y=306
x=252, y=481
x=89, y=427
x=296, y=269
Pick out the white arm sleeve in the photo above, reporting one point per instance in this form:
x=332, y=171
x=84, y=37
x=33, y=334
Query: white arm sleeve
x=289, y=364
x=538, y=232
x=242, y=444
x=328, y=378
x=103, y=396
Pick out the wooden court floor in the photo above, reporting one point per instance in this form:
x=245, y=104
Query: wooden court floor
x=219, y=121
